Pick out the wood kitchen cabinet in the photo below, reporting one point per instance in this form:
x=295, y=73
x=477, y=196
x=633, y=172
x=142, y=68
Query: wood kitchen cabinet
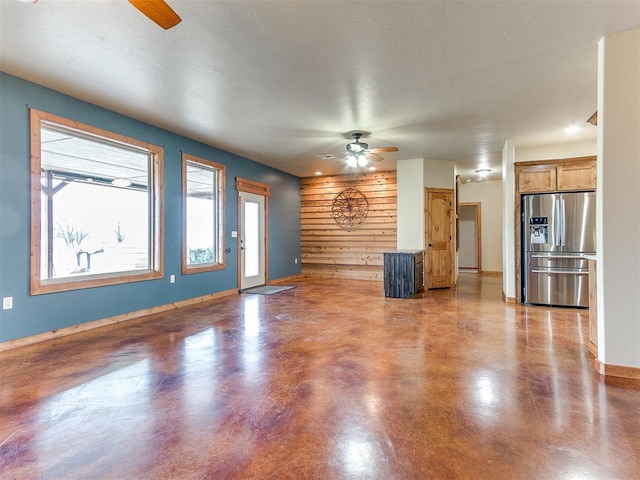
x=537, y=178
x=557, y=176
x=580, y=176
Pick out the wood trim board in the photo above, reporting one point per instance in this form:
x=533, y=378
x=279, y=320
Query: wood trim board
x=251, y=186
x=125, y=317
x=619, y=371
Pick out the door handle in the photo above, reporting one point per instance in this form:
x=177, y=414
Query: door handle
x=556, y=222
x=563, y=219
x=563, y=272
x=559, y=257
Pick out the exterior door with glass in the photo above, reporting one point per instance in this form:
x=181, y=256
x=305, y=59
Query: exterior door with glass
x=252, y=240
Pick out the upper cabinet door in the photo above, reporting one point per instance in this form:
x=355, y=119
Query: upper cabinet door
x=537, y=178
x=580, y=176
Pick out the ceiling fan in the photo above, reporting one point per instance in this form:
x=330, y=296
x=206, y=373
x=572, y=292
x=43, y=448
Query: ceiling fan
x=359, y=154
x=157, y=11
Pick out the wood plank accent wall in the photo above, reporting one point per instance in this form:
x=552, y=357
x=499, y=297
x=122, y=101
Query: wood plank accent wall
x=329, y=251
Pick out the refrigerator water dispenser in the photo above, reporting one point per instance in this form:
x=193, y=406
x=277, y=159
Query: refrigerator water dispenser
x=538, y=230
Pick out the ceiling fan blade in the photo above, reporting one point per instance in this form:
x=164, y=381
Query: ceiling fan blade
x=374, y=157
x=383, y=149
x=158, y=11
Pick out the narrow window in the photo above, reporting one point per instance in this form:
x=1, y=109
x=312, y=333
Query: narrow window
x=203, y=186
x=96, y=206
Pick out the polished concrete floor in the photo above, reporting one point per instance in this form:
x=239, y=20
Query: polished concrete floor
x=326, y=381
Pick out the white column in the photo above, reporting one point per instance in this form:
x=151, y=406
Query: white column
x=618, y=200
x=508, y=221
x=410, y=234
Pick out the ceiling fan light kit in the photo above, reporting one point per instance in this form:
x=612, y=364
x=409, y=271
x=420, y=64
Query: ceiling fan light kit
x=357, y=161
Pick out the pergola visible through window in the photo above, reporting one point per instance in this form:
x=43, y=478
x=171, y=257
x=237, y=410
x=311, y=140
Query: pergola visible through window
x=96, y=206
x=203, y=187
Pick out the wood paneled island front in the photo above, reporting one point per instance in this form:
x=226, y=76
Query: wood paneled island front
x=403, y=272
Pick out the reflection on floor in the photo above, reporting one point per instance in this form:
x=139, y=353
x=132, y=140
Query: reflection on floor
x=329, y=380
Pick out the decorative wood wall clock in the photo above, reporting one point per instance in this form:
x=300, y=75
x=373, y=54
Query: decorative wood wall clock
x=350, y=208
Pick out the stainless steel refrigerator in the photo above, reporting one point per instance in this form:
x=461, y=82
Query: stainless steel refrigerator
x=558, y=230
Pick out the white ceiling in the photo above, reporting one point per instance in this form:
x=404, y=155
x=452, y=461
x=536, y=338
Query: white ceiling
x=283, y=81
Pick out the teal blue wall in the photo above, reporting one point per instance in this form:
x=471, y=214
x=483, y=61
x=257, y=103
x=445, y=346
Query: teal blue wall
x=42, y=313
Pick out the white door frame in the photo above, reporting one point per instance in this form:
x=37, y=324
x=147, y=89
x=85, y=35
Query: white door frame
x=478, y=238
x=249, y=189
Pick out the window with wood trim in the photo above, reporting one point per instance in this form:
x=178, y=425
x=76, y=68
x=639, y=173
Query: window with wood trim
x=96, y=206
x=203, y=192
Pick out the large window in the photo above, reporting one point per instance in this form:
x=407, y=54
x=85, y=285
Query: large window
x=203, y=187
x=96, y=206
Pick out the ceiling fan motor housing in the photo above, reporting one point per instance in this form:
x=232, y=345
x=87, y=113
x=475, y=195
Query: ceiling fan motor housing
x=357, y=146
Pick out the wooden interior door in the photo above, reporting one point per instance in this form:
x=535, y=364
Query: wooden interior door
x=439, y=238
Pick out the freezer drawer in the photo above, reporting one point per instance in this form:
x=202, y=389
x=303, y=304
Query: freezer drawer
x=562, y=287
x=560, y=261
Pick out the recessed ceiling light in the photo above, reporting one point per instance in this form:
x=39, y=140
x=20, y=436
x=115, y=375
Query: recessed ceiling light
x=318, y=173
x=372, y=169
x=325, y=156
x=572, y=130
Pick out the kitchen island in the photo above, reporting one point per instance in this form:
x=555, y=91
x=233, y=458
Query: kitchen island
x=403, y=272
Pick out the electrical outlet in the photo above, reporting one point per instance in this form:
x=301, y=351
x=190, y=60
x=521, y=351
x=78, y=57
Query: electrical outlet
x=172, y=279
x=7, y=303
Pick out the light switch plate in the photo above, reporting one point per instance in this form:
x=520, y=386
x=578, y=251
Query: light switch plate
x=234, y=234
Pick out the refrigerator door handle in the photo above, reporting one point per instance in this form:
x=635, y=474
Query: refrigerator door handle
x=563, y=272
x=556, y=222
x=579, y=256
x=562, y=222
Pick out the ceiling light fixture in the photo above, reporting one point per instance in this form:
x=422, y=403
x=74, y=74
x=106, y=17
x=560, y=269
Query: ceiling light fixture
x=357, y=146
x=483, y=172
x=318, y=173
x=573, y=129
x=120, y=182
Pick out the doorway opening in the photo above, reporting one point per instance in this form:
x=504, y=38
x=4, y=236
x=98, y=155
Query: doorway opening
x=470, y=252
x=253, y=254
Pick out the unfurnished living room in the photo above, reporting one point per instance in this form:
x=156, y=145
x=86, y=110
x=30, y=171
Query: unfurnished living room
x=319, y=239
